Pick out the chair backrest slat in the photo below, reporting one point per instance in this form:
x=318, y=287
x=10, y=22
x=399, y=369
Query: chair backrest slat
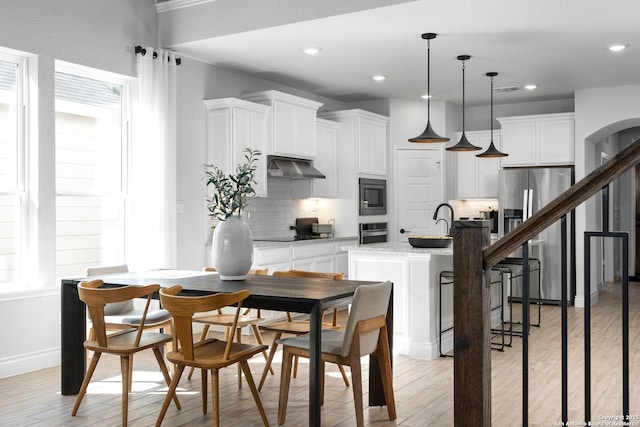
x=95, y=298
x=182, y=308
x=116, y=307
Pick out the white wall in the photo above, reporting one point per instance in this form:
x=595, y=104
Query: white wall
x=91, y=33
x=600, y=112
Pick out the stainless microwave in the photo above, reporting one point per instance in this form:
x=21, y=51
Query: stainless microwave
x=373, y=196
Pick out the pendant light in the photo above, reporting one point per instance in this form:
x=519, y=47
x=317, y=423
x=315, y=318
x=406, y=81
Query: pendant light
x=492, y=151
x=428, y=135
x=463, y=144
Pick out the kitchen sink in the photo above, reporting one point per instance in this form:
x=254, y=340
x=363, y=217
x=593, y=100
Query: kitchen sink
x=430, y=241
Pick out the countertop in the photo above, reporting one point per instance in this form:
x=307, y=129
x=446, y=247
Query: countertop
x=405, y=247
x=400, y=247
x=264, y=244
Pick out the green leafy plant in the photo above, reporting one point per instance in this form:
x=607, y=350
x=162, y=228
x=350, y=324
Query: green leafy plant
x=232, y=192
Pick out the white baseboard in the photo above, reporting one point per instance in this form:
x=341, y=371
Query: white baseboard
x=29, y=362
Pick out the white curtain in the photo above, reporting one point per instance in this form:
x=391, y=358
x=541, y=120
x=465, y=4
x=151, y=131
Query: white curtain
x=152, y=234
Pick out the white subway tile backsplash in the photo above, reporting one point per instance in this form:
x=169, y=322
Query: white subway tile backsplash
x=273, y=215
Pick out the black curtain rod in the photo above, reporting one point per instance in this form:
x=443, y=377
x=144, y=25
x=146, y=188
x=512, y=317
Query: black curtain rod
x=143, y=51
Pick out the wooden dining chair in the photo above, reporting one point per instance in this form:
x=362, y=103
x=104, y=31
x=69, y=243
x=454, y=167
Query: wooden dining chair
x=249, y=317
x=123, y=343
x=298, y=327
x=123, y=315
x=365, y=333
x=211, y=354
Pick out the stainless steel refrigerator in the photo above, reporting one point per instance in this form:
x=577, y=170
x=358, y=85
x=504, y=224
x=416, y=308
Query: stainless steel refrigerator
x=522, y=192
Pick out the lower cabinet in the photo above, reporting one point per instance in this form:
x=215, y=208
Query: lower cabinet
x=327, y=257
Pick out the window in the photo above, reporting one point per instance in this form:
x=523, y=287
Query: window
x=90, y=184
x=12, y=186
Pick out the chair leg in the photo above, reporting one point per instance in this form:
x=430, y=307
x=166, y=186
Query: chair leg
x=239, y=341
x=215, y=397
x=345, y=378
x=203, y=377
x=125, y=368
x=203, y=336
x=295, y=366
x=165, y=372
x=254, y=391
x=272, y=352
x=170, y=393
x=356, y=382
x=85, y=382
x=260, y=341
x=285, y=381
x=387, y=380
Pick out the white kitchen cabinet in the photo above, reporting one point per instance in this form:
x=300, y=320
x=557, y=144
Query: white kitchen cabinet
x=372, y=146
x=313, y=257
x=274, y=259
x=233, y=125
x=319, y=255
x=367, y=133
x=538, y=140
x=477, y=177
x=292, y=123
x=325, y=162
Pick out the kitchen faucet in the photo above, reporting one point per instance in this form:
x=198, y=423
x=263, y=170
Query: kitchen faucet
x=435, y=215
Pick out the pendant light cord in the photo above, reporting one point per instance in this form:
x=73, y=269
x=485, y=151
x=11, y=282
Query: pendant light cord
x=428, y=80
x=463, y=121
x=491, y=118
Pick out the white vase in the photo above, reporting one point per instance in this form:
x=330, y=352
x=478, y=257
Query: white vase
x=232, y=250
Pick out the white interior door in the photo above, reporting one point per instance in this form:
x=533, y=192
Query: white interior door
x=419, y=189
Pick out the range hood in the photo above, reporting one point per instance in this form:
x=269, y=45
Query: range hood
x=288, y=167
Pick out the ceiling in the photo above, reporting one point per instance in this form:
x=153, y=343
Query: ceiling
x=560, y=45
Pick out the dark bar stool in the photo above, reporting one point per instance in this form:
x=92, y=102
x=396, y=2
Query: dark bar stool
x=513, y=266
x=496, y=277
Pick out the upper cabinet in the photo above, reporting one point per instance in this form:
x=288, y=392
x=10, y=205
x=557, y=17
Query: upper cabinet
x=367, y=133
x=538, y=140
x=232, y=126
x=477, y=177
x=292, y=124
x=325, y=162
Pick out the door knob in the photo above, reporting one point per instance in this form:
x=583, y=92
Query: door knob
x=402, y=231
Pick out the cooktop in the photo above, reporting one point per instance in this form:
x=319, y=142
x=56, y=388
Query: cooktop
x=289, y=238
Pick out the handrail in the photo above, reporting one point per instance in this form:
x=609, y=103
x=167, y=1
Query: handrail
x=563, y=204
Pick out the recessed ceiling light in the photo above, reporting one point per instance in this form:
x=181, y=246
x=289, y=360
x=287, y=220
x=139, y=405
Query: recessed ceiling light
x=379, y=78
x=312, y=50
x=425, y=96
x=617, y=47
x=530, y=87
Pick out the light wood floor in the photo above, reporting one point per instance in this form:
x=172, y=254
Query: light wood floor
x=424, y=390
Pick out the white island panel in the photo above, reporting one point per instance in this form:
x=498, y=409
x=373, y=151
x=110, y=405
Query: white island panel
x=415, y=275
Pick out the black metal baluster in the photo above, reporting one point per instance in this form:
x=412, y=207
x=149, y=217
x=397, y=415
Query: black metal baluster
x=564, y=321
x=587, y=327
x=525, y=334
x=625, y=324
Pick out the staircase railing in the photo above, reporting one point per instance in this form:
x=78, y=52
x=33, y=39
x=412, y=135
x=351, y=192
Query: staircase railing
x=472, y=257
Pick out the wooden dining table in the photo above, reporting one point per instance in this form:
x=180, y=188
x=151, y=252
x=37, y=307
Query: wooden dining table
x=293, y=294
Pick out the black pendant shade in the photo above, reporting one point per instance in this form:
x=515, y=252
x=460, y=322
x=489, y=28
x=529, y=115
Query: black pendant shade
x=463, y=144
x=492, y=151
x=429, y=134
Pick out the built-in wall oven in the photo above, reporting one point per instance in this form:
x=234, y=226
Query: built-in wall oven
x=373, y=232
x=373, y=196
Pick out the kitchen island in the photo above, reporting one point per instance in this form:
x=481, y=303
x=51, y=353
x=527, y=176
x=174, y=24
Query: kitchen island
x=415, y=273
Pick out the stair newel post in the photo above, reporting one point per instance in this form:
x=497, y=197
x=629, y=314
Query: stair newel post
x=471, y=325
